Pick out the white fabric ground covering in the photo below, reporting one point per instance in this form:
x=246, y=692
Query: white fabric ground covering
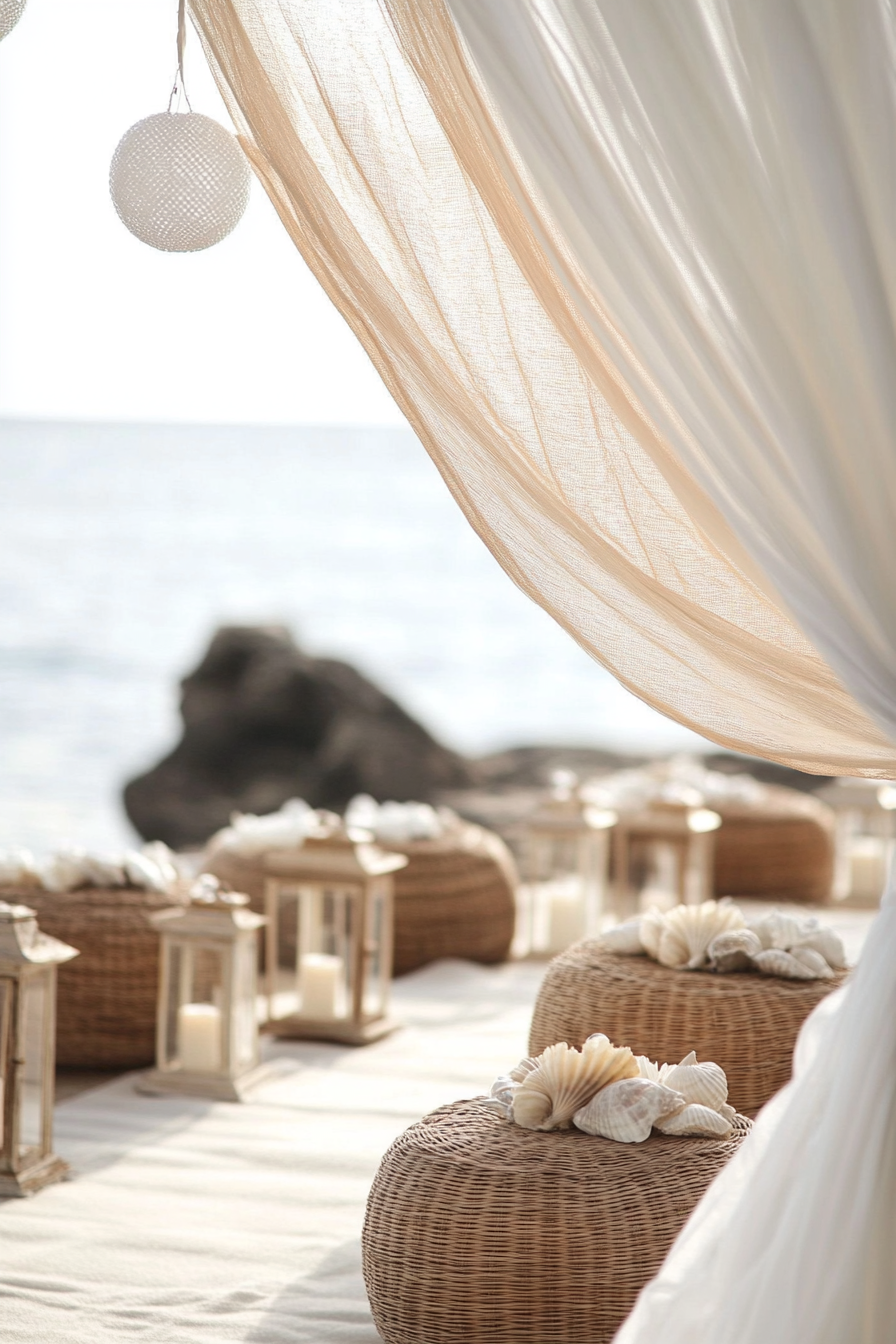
x=193, y=1222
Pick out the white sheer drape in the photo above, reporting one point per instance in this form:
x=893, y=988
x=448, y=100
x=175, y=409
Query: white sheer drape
x=631, y=272
x=719, y=181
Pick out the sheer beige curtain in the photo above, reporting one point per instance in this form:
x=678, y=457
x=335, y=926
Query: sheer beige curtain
x=403, y=190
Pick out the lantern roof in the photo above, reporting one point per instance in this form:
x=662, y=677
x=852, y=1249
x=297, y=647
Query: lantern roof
x=210, y=912
x=23, y=944
x=347, y=855
x=566, y=811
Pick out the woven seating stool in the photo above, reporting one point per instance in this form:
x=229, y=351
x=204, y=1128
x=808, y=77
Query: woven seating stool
x=106, y=997
x=479, y=1232
x=745, y=1022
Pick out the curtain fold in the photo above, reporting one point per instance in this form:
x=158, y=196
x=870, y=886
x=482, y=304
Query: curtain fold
x=412, y=228
x=630, y=271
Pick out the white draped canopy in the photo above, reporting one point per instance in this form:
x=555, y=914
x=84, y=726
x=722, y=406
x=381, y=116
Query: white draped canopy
x=630, y=269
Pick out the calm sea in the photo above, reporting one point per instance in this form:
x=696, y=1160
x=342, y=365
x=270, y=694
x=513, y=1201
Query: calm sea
x=122, y=547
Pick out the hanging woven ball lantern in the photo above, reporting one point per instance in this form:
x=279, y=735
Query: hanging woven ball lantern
x=10, y=13
x=179, y=181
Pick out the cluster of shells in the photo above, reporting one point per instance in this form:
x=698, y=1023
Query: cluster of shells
x=152, y=868
x=608, y=1091
x=715, y=936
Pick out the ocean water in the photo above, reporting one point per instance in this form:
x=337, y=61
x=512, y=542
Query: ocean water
x=122, y=547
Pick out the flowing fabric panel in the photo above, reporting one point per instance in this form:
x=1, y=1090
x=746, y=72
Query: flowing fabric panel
x=720, y=179
x=551, y=455
x=732, y=243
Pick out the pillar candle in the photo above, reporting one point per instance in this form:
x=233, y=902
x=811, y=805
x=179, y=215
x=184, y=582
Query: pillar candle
x=199, y=1037
x=566, y=920
x=321, y=985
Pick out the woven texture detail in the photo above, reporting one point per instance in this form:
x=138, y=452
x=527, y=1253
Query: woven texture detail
x=179, y=181
x=745, y=1022
x=479, y=1232
x=455, y=898
x=106, y=1013
x=785, y=855
x=10, y=13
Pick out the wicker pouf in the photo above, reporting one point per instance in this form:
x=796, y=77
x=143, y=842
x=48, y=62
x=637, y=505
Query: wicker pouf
x=106, y=1004
x=479, y=1232
x=455, y=898
x=780, y=849
x=745, y=1022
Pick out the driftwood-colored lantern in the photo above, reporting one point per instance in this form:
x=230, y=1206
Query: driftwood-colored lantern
x=567, y=869
x=329, y=908
x=663, y=854
x=28, y=961
x=207, y=1024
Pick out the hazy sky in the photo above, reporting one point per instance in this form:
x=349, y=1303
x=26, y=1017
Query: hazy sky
x=94, y=324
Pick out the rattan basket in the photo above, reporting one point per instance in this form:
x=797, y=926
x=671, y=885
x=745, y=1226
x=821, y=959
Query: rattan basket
x=745, y=1022
x=106, y=1005
x=479, y=1232
x=455, y=898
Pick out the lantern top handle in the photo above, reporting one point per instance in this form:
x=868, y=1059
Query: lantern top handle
x=23, y=944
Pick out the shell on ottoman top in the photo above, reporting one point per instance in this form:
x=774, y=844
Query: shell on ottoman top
x=480, y=1232
x=745, y=1022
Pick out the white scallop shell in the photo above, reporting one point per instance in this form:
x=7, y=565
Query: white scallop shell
x=651, y=930
x=777, y=930
x=624, y=938
x=700, y=1084
x=696, y=1120
x=688, y=931
x=733, y=951
x=627, y=1111
x=790, y=966
x=564, y=1080
x=18, y=868
x=827, y=944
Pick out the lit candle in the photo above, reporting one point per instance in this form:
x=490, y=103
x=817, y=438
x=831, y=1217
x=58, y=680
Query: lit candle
x=199, y=1037
x=321, y=982
x=566, y=920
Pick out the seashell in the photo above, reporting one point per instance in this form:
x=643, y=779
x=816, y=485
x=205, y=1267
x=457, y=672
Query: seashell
x=102, y=872
x=18, y=868
x=776, y=930
x=63, y=871
x=651, y=929
x=733, y=951
x=627, y=1111
x=700, y=1084
x=688, y=931
x=697, y=1120
x=624, y=938
x=814, y=961
x=144, y=872
x=564, y=1080
x=827, y=944
x=519, y=1071
x=774, y=961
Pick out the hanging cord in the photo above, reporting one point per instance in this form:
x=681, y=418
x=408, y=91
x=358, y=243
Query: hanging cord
x=179, y=89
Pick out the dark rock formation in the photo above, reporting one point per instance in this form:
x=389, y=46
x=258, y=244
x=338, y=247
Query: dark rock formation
x=264, y=722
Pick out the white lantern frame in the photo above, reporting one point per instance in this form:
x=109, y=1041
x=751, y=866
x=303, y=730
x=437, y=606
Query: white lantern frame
x=688, y=829
x=338, y=891
x=567, y=871
x=28, y=965
x=208, y=948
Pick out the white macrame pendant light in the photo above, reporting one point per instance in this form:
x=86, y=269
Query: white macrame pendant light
x=10, y=13
x=179, y=180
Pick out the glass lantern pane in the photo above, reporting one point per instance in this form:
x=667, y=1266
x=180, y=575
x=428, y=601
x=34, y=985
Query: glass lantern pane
x=34, y=1008
x=656, y=872
x=376, y=977
x=197, y=1009
x=245, y=1033
x=324, y=964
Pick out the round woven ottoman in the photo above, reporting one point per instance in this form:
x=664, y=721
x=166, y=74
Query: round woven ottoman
x=479, y=1232
x=455, y=898
x=781, y=848
x=745, y=1022
x=106, y=997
